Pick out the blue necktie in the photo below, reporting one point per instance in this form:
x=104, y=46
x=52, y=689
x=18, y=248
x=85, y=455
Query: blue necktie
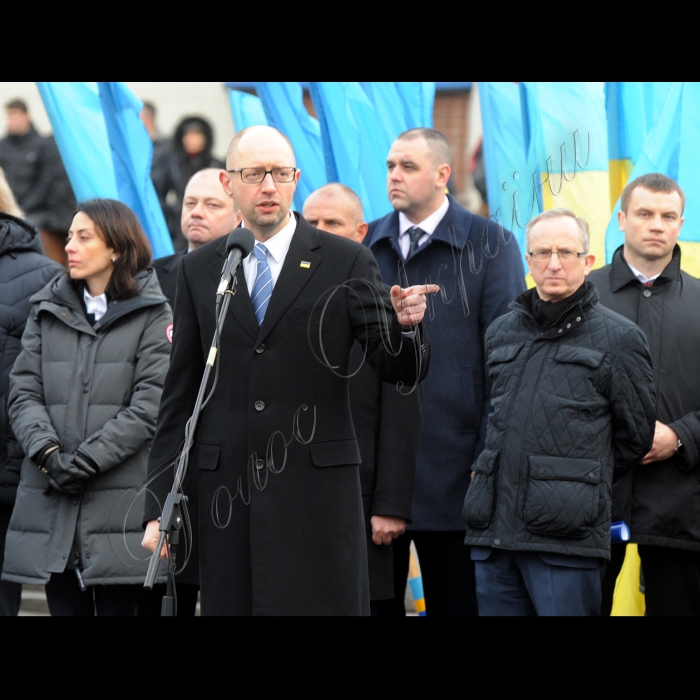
x=262, y=289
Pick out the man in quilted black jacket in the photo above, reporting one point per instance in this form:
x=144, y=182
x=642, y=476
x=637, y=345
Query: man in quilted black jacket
x=572, y=398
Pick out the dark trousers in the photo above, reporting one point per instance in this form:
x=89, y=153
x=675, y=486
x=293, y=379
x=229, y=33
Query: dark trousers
x=65, y=598
x=671, y=581
x=532, y=583
x=446, y=570
x=10, y=593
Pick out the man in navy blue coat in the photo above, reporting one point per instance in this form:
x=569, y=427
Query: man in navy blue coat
x=478, y=265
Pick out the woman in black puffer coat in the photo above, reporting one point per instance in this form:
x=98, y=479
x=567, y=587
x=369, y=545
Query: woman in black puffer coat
x=84, y=396
x=24, y=270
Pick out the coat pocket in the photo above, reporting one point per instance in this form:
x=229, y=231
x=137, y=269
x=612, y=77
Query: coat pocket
x=335, y=453
x=208, y=456
x=563, y=495
x=480, y=499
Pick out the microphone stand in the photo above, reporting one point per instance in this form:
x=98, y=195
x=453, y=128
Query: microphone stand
x=171, y=519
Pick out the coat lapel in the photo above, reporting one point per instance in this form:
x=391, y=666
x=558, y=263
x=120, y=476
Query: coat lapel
x=294, y=276
x=241, y=308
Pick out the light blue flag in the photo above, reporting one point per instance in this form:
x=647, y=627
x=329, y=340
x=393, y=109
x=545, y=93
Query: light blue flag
x=355, y=144
x=284, y=107
x=78, y=124
x=670, y=148
x=106, y=149
x=389, y=106
x=508, y=178
x=132, y=154
x=247, y=110
x=418, y=102
x=633, y=108
x=566, y=133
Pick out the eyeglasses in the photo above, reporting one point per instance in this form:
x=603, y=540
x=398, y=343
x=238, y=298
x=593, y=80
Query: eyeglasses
x=254, y=176
x=565, y=256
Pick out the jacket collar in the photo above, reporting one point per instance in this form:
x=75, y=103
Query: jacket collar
x=573, y=314
x=448, y=230
x=63, y=301
x=621, y=275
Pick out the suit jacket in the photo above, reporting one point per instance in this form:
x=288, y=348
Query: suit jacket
x=166, y=269
x=387, y=424
x=480, y=271
x=281, y=523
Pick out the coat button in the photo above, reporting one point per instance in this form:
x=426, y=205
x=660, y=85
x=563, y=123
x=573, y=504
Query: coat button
x=260, y=349
x=568, y=325
x=591, y=475
x=65, y=556
x=63, y=313
x=87, y=556
x=259, y=405
x=578, y=319
x=497, y=541
x=100, y=445
x=259, y=464
x=647, y=293
x=540, y=470
x=560, y=330
x=86, y=389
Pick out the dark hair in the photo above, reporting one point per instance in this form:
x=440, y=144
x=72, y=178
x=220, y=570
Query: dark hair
x=654, y=182
x=437, y=142
x=120, y=230
x=21, y=105
x=149, y=107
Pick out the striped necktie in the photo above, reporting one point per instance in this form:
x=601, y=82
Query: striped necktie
x=262, y=289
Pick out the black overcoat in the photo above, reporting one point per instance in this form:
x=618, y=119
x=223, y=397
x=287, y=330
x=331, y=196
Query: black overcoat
x=281, y=523
x=660, y=501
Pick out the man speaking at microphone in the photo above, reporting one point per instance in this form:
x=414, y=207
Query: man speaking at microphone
x=281, y=522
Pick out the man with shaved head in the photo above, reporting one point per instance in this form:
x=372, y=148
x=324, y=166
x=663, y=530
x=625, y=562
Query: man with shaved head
x=387, y=422
x=207, y=213
x=281, y=527
x=430, y=237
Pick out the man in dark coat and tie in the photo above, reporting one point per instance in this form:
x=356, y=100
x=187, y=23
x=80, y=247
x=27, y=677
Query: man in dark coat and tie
x=431, y=238
x=387, y=420
x=281, y=526
x=207, y=213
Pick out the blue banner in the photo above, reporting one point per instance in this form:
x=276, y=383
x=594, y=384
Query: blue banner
x=285, y=110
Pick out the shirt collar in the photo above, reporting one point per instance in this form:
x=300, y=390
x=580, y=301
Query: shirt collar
x=429, y=224
x=95, y=305
x=278, y=245
x=641, y=276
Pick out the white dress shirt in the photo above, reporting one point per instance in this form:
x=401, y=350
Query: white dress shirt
x=95, y=305
x=429, y=224
x=277, y=248
x=640, y=276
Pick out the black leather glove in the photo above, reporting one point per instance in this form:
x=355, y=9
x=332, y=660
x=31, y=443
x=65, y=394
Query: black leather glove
x=68, y=476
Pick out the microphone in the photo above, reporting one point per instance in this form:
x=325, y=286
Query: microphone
x=239, y=244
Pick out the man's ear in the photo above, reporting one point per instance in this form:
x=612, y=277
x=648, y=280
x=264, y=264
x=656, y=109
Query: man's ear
x=444, y=172
x=225, y=180
x=621, y=220
x=361, y=231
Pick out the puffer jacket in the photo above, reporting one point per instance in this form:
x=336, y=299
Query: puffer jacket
x=96, y=389
x=24, y=270
x=568, y=404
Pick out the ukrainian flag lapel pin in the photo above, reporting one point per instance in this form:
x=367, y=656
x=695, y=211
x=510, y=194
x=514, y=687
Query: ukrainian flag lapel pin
x=305, y=264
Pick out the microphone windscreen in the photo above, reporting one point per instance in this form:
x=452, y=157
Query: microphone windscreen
x=242, y=238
